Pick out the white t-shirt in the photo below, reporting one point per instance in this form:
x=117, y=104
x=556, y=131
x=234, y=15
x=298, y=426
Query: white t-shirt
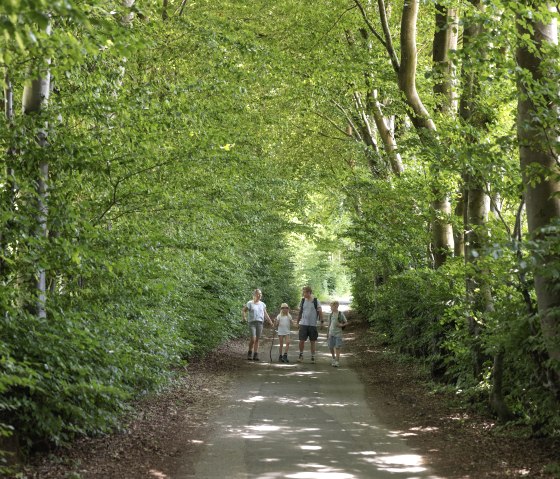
x=310, y=315
x=284, y=324
x=256, y=311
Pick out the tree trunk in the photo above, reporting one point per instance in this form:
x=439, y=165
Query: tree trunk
x=459, y=233
x=35, y=98
x=538, y=96
x=497, y=401
x=386, y=134
x=8, y=194
x=445, y=40
x=479, y=295
x=407, y=71
x=477, y=204
x=442, y=231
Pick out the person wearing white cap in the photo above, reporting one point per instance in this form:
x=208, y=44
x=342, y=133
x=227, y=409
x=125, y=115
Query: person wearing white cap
x=283, y=324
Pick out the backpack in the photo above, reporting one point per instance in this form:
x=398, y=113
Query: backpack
x=315, y=303
x=341, y=325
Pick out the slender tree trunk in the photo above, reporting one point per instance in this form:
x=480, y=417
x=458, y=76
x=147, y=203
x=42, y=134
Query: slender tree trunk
x=445, y=41
x=8, y=195
x=386, y=134
x=35, y=98
x=459, y=233
x=538, y=95
x=478, y=292
x=407, y=72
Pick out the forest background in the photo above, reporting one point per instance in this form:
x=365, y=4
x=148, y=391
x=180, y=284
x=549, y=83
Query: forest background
x=162, y=159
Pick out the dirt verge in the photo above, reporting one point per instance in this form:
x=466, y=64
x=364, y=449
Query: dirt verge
x=457, y=443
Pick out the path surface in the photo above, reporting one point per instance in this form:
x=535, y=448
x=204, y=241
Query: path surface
x=302, y=421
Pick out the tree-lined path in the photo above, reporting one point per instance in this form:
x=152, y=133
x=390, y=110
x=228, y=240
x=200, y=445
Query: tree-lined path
x=303, y=421
x=160, y=160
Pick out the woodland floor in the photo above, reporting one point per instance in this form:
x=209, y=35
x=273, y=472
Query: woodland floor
x=169, y=429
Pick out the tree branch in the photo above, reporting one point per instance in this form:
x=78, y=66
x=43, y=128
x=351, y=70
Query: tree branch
x=388, y=39
x=333, y=123
x=369, y=24
x=349, y=119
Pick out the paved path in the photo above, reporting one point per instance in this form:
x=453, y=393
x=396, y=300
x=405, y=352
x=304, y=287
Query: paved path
x=302, y=421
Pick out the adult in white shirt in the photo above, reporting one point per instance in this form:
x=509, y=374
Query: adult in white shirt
x=257, y=312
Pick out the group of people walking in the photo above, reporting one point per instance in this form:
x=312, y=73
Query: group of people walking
x=309, y=316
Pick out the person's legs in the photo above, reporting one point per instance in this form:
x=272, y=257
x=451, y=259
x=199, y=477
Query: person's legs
x=252, y=343
x=303, y=334
x=258, y=331
x=287, y=344
x=338, y=347
x=313, y=347
x=253, y=337
x=313, y=335
x=280, y=345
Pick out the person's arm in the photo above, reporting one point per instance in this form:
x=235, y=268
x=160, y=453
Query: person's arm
x=244, y=312
x=320, y=314
x=268, y=317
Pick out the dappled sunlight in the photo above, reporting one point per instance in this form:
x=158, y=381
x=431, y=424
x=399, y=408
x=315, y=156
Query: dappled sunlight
x=321, y=475
x=158, y=474
x=404, y=463
x=306, y=421
x=254, y=399
x=264, y=428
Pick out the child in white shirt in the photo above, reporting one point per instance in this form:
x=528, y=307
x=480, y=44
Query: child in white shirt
x=283, y=323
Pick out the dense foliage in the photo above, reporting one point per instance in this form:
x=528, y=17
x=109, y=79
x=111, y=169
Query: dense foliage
x=196, y=151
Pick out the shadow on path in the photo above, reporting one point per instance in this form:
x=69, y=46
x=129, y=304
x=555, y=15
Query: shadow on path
x=300, y=421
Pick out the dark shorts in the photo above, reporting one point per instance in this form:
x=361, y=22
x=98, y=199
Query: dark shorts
x=308, y=332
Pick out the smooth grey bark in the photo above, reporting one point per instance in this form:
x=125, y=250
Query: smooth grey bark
x=445, y=41
x=374, y=111
x=539, y=162
x=386, y=133
x=407, y=72
x=479, y=295
x=9, y=191
x=458, y=233
x=442, y=230
x=34, y=100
